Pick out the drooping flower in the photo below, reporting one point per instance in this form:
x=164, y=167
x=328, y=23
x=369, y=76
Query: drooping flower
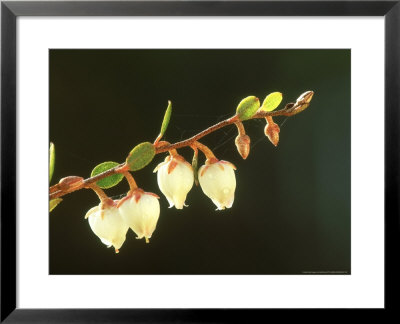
x=140, y=210
x=175, y=179
x=218, y=182
x=108, y=225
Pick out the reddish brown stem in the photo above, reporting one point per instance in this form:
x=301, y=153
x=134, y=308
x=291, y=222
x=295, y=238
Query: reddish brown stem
x=191, y=140
x=87, y=182
x=162, y=146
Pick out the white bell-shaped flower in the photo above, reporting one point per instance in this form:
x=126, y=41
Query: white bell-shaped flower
x=108, y=225
x=218, y=182
x=175, y=179
x=141, y=211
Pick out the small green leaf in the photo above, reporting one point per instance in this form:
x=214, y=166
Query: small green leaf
x=140, y=156
x=271, y=101
x=52, y=160
x=109, y=181
x=247, y=107
x=167, y=117
x=54, y=203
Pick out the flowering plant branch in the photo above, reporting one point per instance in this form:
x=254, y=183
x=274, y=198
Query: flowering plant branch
x=139, y=210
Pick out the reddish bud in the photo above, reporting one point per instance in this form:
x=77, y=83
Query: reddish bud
x=243, y=145
x=272, y=130
x=70, y=182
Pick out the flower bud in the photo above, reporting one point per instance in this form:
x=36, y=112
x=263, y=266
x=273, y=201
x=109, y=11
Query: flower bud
x=108, y=225
x=243, y=145
x=175, y=178
x=218, y=182
x=140, y=211
x=70, y=182
x=302, y=102
x=305, y=97
x=272, y=130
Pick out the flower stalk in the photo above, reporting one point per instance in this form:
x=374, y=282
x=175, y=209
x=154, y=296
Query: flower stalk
x=132, y=183
x=105, y=200
x=206, y=151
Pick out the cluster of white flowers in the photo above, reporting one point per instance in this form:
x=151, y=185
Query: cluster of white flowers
x=175, y=178
x=140, y=210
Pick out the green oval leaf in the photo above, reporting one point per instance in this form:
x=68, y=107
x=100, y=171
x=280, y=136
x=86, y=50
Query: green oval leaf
x=247, y=107
x=271, y=101
x=167, y=117
x=109, y=181
x=52, y=156
x=54, y=203
x=140, y=156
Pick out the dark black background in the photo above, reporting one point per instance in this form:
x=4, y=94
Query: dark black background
x=291, y=213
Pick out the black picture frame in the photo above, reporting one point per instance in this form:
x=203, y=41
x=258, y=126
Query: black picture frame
x=10, y=10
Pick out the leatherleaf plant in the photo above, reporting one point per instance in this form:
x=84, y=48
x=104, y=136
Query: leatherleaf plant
x=139, y=210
